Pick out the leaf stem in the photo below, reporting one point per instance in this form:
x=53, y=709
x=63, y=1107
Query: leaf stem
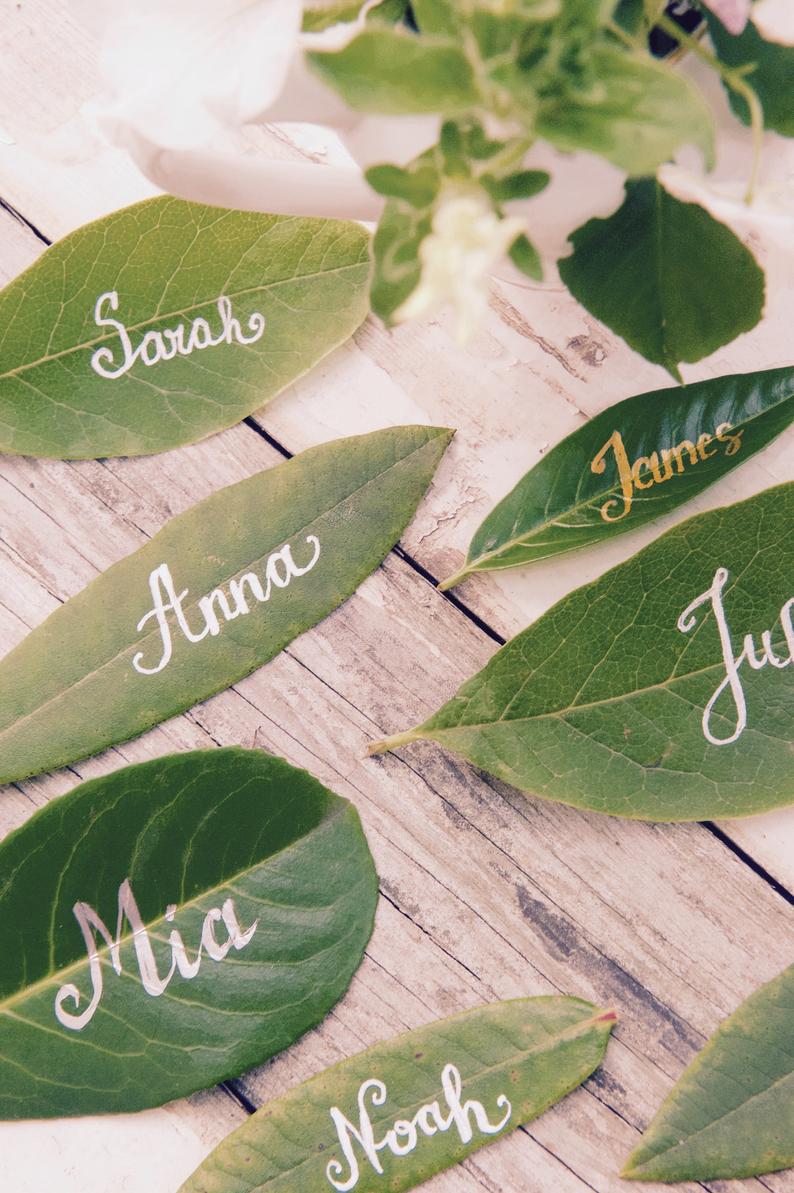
x=453, y=580
x=393, y=743
x=731, y=77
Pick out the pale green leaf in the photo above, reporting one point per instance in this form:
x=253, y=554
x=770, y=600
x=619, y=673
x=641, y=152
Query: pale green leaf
x=169, y=263
x=512, y=1061
x=89, y=677
x=732, y=1112
x=191, y=831
x=618, y=699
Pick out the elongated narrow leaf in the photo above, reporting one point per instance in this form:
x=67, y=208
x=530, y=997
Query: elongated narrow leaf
x=167, y=321
x=662, y=691
x=219, y=591
x=672, y=281
x=393, y=1116
x=635, y=462
x=171, y=925
x=732, y=1112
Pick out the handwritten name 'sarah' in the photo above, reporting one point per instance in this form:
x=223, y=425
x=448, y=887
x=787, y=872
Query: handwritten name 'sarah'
x=165, y=344
x=756, y=659
x=401, y=1138
x=647, y=471
x=279, y=570
x=153, y=983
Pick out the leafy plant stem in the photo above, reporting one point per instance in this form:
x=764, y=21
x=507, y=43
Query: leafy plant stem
x=393, y=743
x=735, y=79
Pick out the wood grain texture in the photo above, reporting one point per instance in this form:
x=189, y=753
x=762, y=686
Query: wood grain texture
x=485, y=894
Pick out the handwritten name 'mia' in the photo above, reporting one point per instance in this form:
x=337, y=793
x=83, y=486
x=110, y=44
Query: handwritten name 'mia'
x=279, y=570
x=403, y=1136
x=151, y=980
x=156, y=346
x=756, y=658
x=647, y=471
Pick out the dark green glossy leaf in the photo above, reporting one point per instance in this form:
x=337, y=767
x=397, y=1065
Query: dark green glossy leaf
x=636, y=113
x=772, y=71
x=172, y=841
x=256, y=564
x=667, y=277
x=662, y=691
x=635, y=462
x=470, y=1079
x=393, y=71
x=732, y=1112
x=291, y=290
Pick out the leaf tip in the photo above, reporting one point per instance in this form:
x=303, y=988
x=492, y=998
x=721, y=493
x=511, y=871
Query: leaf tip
x=609, y=1016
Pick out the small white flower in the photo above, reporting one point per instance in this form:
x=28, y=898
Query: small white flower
x=457, y=258
x=774, y=20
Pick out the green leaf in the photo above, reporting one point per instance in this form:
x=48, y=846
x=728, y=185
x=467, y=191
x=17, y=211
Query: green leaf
x=502, y=1065
x=88, y=678
x=666, y=276
x=522, y=184
x=325, y=13
x=191, y=830
x=732, y=1112
x=417, y=185
x=398, y=268
x=526, y=257
x=635, y=462
x=618, y=699
x=636, y=113
x=170, y=263
x=772, y=71
x=394, y=71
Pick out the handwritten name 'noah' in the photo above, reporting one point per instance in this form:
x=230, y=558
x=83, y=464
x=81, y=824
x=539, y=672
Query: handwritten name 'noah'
x=279, y=570
x=165, y=344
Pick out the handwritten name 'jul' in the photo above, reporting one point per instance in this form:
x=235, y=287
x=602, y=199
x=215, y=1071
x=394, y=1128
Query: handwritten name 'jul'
x=279, y=570
x=165, y=344
x=756, y=658
x=405, y=1134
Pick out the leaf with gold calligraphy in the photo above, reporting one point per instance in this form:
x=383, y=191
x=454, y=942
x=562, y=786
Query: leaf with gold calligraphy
x=635, y=462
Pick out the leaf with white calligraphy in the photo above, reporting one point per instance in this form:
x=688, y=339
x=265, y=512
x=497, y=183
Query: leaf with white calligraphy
x=637, y=461
x=167, y=321
x=393, y=1116
x=172, y=924
x=151, y=636
x=662, y=691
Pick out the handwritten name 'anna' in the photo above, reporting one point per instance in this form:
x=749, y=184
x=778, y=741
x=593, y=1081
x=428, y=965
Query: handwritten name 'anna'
x=279, y=570
x=756, y=657
x=159, y=345
x=657, y=468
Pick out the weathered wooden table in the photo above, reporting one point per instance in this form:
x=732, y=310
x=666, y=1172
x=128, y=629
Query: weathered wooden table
x=486, y=894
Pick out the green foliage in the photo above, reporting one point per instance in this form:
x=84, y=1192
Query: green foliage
x=580, y=75
x=187, y=831
x=516, y=1059
x=605, y=701
x=169, y=262
x=590, y=487
x=655, y=272
x=75, y=684
x=732, y=1112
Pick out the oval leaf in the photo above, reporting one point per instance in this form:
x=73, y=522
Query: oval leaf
x=273, y=554
x=662, y=691
x=264, y=874
x=436, y=1095
x=732, y=1112
x=693, y=285
x=92, y=358
x=635, y=462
